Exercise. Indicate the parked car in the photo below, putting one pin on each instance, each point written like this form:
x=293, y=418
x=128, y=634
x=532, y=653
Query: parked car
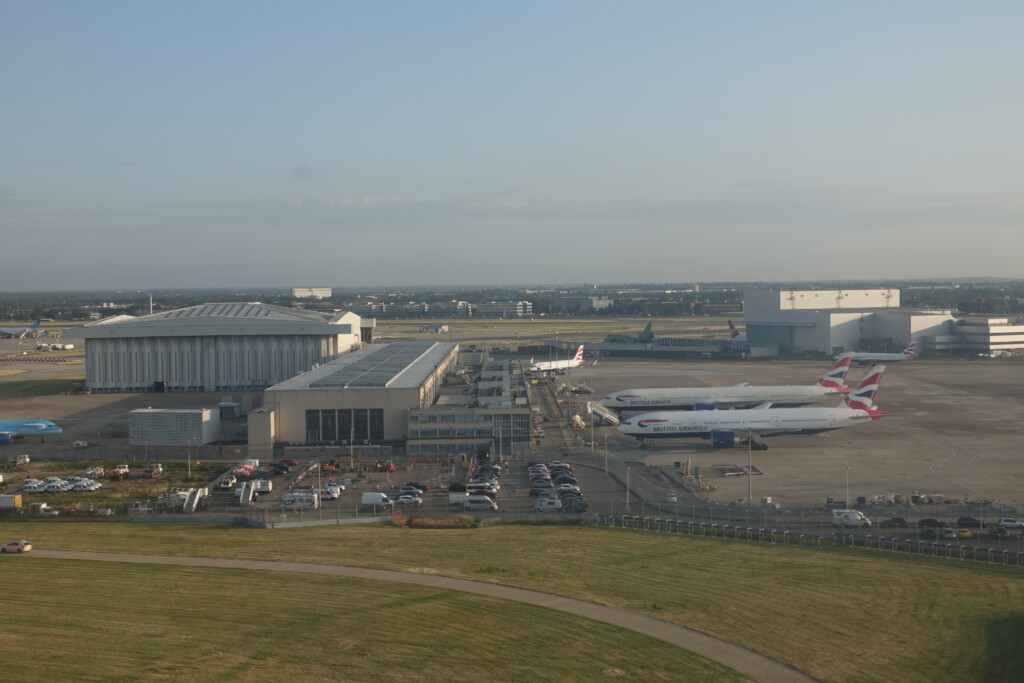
x=330, y=494
x=457, y=487
x=1010, y=523
x=16, y=547
x=949, y=533
x=416, y=485
x=996, y=531
x=930, y=522
x=409, y=490
x=409, y=499
x=894, y=523
x=290, y=462
x=969, y=522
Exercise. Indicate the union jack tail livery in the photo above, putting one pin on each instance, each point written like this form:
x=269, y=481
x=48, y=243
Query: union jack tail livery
x=863, y=395
x=835, y=376
x=736, y=334
x=911, y=350
x=579, y=353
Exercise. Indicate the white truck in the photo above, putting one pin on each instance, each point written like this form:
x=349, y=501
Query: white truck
x=300, y=500
x=850, y=518
x=375, y=499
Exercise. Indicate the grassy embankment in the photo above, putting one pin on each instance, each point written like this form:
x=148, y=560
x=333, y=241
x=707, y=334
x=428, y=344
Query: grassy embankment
x=839, y=615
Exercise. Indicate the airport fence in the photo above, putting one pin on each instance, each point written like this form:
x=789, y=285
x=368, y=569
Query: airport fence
x=811, y=539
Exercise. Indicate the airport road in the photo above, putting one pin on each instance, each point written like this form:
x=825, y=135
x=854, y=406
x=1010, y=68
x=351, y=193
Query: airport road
x=752, y=664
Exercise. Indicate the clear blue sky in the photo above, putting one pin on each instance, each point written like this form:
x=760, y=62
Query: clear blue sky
x=329, y=143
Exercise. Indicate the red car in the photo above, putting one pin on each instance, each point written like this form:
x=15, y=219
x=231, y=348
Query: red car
x=16, y=547
x=290, y=462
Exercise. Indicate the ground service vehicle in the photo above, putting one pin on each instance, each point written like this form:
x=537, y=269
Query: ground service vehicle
x=850, y=518
x=375, y=499
x=300, y=500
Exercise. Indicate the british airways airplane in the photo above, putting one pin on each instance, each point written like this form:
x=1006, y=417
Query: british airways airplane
x=11, y=429
x=830, y=384
x=725, y=427
x=545, y=366
x=864, y=357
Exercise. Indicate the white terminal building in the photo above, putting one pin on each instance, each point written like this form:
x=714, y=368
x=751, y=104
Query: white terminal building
x=834, y=321
x=214, y=347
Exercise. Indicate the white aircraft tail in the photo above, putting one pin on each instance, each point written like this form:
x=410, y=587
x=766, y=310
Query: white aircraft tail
x=733, y=332
x=579, y=353
x=835, y=376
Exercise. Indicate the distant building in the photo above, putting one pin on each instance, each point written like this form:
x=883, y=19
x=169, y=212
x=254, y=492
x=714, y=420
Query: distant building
x=311, y=293
x=503, y=309
x=173, y=427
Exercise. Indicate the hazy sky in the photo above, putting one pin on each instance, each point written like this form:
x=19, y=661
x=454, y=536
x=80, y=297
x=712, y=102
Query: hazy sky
x=330, y=143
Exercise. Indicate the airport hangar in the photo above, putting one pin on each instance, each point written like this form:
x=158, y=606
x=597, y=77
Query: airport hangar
x=423, y=394
x=214, y=347
x=833, y=321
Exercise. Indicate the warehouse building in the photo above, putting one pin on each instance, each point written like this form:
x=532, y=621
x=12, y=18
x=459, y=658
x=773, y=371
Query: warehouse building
x=214, y=347
x=361, y=398
x=173, y=427
x=834, y=321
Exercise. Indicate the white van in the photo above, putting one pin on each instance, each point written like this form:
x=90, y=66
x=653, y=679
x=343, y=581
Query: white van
x=480, y=504
x=850, y=518
x=300, y=500
x=375, y=499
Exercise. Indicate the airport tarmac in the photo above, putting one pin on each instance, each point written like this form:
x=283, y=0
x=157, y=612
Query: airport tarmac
x=952, y=428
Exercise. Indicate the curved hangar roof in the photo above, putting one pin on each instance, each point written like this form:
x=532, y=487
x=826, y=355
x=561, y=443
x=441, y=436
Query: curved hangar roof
x=224, y=319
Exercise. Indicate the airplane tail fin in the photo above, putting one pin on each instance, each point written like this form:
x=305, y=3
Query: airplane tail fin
x=835, y=376
x=911, y=350
x=36, y=324
x=862, y=396
x=579, y=353
x=733, y=332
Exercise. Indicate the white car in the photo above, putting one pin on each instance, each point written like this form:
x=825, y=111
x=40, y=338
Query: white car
x=330, y=494
x=409, y=499
x=547, y=504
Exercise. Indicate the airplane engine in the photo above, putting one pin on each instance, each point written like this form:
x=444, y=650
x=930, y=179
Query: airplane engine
x=723, y=439
x=5, y=437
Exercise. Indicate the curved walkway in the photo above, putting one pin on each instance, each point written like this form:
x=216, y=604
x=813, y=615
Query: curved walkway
x=752, y=664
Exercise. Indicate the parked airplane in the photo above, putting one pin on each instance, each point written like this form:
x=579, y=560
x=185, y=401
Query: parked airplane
x=11, y=429
x=830, y=383
x=736, y=334
x=545, y=366
x=19, y=332
x=863, y=357
x=644, y=336
x=724, y=427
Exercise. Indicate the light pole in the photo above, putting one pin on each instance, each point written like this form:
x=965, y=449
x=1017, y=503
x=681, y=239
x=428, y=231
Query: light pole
x=606, y=455
x=848, y=487
x=627, y=485
x=750, y=470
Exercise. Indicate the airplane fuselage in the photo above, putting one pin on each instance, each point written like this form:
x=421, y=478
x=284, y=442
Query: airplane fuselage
x=688, y=397
x=679, y=424
x=546, y=366
x=15, y=428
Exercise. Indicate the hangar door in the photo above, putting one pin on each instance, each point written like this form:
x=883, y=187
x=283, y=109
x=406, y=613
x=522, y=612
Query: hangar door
x=780, y=335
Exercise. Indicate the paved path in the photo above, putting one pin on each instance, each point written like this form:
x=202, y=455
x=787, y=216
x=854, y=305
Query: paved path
x=752, y=664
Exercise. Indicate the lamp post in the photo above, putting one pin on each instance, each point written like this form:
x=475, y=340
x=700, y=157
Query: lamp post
x=627, y=485
x=848, y=487
x=606, y=455
x=750, y=470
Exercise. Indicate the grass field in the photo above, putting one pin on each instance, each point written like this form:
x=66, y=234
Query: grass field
x=38, y=387
x=839, y=615
x=88, y=623
x=540, y=330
